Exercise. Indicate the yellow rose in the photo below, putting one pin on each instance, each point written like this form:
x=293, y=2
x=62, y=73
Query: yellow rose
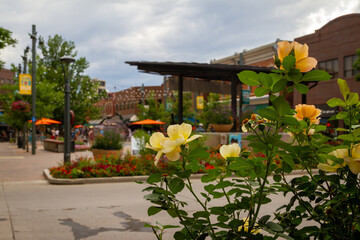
x=303, y=62
x=310, y=112
x=181, y=133
x=329, y=167
x=246, y=227
x=232, y=150
x=354, y=160
x=162, y=144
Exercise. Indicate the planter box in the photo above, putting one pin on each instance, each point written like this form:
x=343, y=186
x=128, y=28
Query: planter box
x=222, y=127
x=101, y=153
x=53, y=145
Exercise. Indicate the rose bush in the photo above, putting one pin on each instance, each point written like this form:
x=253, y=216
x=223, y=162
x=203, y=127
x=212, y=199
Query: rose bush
x=328, y=202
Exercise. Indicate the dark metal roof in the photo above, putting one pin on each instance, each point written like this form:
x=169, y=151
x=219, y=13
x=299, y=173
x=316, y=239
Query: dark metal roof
x=196, y=70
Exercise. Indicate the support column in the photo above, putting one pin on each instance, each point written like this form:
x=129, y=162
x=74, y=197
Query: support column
x=180, y=107
x=234, y=83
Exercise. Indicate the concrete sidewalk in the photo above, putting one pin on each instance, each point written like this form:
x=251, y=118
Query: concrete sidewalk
x=19, y=165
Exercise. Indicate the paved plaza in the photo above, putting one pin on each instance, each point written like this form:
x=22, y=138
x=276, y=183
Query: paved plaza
x=31, y=208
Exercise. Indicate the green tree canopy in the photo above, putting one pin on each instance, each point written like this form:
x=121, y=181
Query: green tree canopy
x=51, y=83
x=5, y=40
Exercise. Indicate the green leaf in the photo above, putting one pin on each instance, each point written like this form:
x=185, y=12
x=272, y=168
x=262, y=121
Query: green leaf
x=176, y=185
x=249, y=78
x=288, y=62
x=202, y=214
x=344, y=88
x=341, y=115
x=281, y=106
x=199, y=153
x=347, y=137
x=279, y=85
x=268, y=113
x=335, y=102
x=303, y=89
x=261, y=91
x=184, y=174
x=291, y=121
x=265, y=80
x=316, y=75
x=352, y=99
x=153, y=178
x=153, y=210
x=274, y=227
x=259, y=145
x=277, y=178
x=295, y=75
x=179, y=236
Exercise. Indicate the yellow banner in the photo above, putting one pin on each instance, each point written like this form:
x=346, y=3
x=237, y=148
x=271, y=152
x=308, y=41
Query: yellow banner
x=25, y=84
x=199, y=102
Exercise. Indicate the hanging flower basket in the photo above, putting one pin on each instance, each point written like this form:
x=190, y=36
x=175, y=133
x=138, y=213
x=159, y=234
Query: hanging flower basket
x=222, y=127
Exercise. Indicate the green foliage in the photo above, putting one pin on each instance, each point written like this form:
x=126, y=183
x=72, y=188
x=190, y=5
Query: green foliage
x=51, y=82
x=109, y=141
x=188, y=111
x=215, y=112
x=6, y=39
x=153, y=110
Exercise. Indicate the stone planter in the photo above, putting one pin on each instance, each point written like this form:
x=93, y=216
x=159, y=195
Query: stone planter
x=222, y=127
x=101, y=153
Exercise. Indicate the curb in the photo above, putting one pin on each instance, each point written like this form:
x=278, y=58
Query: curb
x=66, y=181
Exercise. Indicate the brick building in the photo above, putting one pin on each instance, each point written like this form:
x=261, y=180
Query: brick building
x=125, y=102
x=334, y=46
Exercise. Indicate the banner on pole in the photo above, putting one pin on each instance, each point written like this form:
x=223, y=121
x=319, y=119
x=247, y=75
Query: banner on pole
x=199, y=102
x=25, y=84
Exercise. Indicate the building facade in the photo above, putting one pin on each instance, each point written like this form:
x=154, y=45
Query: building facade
x=102, y=85
x=334, y=46
x=125, y=102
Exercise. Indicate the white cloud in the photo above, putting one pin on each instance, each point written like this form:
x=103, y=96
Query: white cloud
x=110, y=32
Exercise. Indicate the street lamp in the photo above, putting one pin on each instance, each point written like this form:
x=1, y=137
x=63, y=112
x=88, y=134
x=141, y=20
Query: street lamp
x=65, y=62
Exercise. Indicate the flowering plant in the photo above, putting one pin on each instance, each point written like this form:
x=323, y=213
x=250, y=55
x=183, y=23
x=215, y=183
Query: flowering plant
x=216, y=112
x=20, y=106
x=108, y=141
x=328, y=202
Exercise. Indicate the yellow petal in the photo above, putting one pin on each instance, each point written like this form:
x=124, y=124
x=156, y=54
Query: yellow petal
x=306, y=64
x=340, y=153
x=356, y=151
x=153, y=148
x=185, y=130
x=157, y=157
x=354, y=165
x=172, y=131
x=232, y=150
x=284, y=48
x=174, y=155
x=156, y=140
x=301, y=51
x=326, y=167
x=169, y=145
x=192, y=138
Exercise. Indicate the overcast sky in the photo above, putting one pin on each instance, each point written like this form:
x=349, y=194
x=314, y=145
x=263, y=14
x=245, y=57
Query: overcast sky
x=110, y=32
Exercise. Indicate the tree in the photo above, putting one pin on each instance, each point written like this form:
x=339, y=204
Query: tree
x=50, y=82
x=153, y=110
x=188, y=112
x=357, y=65
x=5, y=40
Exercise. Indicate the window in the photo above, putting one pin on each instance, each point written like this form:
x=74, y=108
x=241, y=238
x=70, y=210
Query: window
x=121, y=107
x=117, y=107
x=330, y=66
x=349, y=66
x=132, y=105
x=128, y=106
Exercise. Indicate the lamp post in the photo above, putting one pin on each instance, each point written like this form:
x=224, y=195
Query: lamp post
x=65, y=62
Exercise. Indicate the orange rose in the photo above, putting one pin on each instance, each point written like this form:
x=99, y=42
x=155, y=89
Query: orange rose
x=303, y=62
x=310, y=112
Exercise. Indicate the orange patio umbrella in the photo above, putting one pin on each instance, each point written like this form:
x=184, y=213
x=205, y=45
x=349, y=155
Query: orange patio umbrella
x=78, y=126
x=42, y=122
x=51, y=121
x=147, y=121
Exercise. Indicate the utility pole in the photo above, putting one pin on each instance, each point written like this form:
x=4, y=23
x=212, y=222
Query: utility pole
x=25, y=134
x=33, y=91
